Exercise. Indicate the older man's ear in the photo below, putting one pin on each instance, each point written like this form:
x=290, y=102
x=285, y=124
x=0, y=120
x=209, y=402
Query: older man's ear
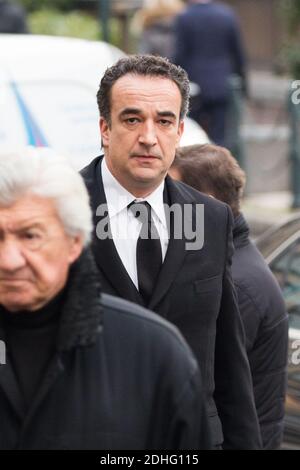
x=75, y=248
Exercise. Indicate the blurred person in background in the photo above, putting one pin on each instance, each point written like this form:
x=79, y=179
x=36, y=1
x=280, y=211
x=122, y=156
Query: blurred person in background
x=208, y=46
x=213, y=170
x=83, y=370
x=156, y=25
x=12, y=18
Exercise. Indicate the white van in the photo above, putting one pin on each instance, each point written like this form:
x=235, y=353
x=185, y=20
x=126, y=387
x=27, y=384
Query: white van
x=48, y=89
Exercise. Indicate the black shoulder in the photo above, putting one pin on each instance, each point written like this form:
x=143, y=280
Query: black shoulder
x=137, y=313
x=89, y=170
x=190, y=194
x=145, y=326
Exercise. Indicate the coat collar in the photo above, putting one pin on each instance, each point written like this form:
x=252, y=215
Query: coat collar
x=240, y=232
x=81, y=316
x=81, y=319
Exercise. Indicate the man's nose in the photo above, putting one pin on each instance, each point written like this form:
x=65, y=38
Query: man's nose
x=148, y=135
x=11, y=256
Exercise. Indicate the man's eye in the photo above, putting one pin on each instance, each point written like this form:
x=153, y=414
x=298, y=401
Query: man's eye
x=30, y=236
x=31, y=240
x=132, y=120
x=165, y=122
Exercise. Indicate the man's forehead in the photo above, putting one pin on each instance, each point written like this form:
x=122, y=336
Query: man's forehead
x=18, y=220
x=132, y=86
x=27, y=210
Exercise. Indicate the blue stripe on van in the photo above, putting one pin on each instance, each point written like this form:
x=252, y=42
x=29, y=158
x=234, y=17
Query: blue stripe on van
x=35, y=136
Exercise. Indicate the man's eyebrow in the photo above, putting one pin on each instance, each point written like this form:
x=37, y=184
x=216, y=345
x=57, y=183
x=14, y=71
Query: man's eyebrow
x=26, y=225
x=169, y=114
x=29, y=225
x=127, y=111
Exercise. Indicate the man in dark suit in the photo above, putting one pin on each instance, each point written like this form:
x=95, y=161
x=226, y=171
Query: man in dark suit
x=209, y=48
x=142, y=102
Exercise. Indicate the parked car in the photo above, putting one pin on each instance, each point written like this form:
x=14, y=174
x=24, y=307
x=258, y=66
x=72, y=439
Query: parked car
x=280, y=245
x=48, y=91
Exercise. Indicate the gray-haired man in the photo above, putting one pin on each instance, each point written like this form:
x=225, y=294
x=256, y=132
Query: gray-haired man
x=82, y=370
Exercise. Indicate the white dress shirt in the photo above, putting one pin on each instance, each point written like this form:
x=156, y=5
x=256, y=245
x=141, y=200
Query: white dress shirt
x=125, y=227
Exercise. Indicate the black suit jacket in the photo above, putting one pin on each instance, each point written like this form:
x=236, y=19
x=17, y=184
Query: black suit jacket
x=194, y=291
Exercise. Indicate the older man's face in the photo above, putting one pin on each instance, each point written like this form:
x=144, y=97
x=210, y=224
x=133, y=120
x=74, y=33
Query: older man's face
x=35, y=253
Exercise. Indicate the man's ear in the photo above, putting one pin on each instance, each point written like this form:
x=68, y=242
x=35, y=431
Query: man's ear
x=105, y=131
x=175, y=173
x=75, y=248
x=179, y=133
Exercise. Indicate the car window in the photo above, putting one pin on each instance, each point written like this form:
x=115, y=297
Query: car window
x=286, y=269
x=269, y=241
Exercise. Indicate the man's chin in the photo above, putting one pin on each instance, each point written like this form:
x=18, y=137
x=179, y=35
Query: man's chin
x=15, y=305
x=148, y=176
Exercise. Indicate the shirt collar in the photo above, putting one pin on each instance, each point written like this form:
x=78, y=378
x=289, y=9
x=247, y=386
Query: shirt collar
x=118, y=198
x=156, y=202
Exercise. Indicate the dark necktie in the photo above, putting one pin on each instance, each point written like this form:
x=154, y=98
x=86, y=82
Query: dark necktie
x=148, y=250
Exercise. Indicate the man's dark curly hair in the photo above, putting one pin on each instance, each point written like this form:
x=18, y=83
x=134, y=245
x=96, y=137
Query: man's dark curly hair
x=145, y=65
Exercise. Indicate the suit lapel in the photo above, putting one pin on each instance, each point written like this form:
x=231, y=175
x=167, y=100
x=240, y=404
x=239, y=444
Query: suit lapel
x=105, y=252
x=176, y=251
